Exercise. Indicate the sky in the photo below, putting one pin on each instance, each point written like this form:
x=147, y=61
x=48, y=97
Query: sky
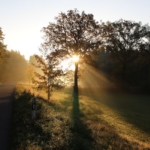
x=22, y=20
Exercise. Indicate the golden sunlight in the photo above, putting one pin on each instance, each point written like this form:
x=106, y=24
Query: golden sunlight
x=75, y=58
x=67, y=64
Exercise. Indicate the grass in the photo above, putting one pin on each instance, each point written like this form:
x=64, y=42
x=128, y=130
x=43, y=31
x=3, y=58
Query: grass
x=96, y=119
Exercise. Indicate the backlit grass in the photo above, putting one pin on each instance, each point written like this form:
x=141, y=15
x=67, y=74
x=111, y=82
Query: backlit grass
x=92, y=120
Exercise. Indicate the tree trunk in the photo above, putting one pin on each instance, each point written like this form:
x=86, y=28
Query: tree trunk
x=48, y=93
x=76, y=78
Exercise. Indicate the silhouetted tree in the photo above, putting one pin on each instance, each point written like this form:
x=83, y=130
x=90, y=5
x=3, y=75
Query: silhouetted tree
x=142, y=68
x=125, y=40
x=73, y=34
x=51, y=75
x=105, y=62
x=3, y=51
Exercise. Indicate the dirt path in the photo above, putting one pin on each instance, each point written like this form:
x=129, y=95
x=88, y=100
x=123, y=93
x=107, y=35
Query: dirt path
x=5, y=114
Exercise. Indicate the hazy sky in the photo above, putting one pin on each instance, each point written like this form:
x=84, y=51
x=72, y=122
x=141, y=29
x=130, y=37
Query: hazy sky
x=22, y=20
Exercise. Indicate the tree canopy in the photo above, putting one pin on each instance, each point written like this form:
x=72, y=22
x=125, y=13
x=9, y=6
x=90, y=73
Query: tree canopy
x=51, y=75
x=73, y=34
x=124, y=40
x=3, y=50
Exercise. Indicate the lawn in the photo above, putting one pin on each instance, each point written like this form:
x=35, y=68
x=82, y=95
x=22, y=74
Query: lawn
x=96, y=119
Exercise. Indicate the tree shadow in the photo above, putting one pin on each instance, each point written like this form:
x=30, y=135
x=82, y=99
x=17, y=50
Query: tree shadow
x=134, y=109
x=75, y=109
x=75, y=134
x=81, y=134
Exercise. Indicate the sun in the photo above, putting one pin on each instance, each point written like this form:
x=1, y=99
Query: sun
x=68, y=64
x=75, y=58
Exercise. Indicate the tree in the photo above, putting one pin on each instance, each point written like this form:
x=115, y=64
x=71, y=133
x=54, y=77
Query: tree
x=15, y=70
x=29, y=73
x=125, y=40
x=33, y=62
x=73, y=35
x=3, y=51
x=32, y=59
x=51, y=75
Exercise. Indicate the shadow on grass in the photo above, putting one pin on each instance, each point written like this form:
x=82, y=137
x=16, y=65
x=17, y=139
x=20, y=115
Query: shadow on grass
x=81, y=134
x=134, y=109
x=58, y=132
x=95, y=134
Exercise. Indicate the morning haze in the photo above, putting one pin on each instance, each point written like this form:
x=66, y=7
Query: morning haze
x=74, y=75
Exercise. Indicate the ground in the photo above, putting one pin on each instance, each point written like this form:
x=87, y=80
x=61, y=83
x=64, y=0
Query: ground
x=5, y=113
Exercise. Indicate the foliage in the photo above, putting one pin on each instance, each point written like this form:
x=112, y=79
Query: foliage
x=124, y=40
x=32, y=67
x=34, y=63
x=3, y=51
x=51, y=75
x=32, y=60
x=125, y=52
x=29, y=73
x=12, y=63
x=73, y=34
x=15, y=70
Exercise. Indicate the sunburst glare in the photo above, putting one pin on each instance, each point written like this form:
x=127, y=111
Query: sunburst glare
x=75, y=58
x=67, y=64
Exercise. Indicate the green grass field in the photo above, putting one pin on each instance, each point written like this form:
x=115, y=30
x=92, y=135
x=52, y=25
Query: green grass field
x=96, y=119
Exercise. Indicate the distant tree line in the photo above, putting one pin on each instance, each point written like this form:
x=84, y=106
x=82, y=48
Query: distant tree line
x=3, y=50
x=14, y=69
x=12, y=63
x=125, y=54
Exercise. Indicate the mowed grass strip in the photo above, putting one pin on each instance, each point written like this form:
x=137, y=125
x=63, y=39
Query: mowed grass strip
x=89, y=121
